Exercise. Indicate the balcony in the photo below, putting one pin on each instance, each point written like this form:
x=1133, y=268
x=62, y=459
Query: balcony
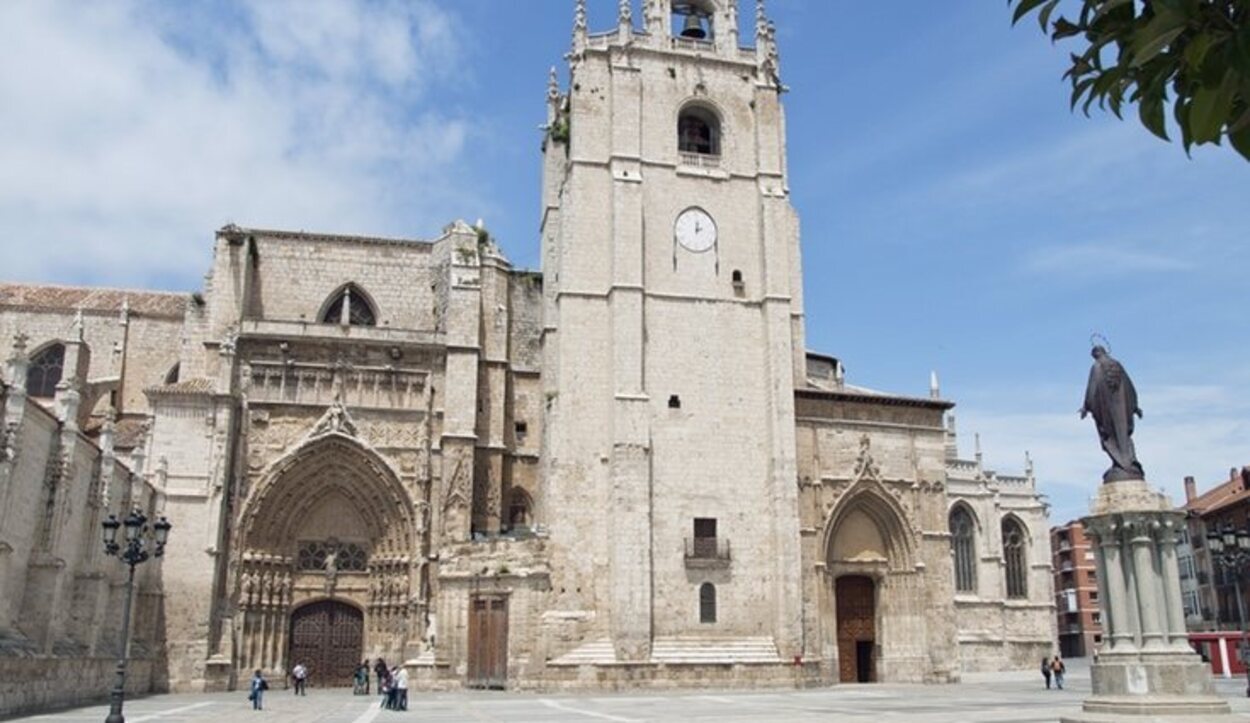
x=700, y=160
x=707, y=552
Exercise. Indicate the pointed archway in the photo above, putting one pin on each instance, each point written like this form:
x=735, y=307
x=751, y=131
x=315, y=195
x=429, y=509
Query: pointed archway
x=330, y=522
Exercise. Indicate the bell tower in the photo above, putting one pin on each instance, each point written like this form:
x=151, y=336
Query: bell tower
x=673, y=334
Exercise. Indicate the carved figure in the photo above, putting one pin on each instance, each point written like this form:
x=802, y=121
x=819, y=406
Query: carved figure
x=1112, y=399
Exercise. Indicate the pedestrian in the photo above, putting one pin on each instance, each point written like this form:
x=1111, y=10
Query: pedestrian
x=259, y=686
x=360, y=679
x=380, y=668
x=401, y=685
x=1046, y=671
x=1057, y=669
x=300, y=674
x=392, y=691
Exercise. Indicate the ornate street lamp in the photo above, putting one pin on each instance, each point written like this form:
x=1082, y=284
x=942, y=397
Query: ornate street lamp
x=140, y=541
x=1230, y=548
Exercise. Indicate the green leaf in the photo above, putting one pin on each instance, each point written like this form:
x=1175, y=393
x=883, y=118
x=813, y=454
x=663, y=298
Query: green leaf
x=1240, y=141
x=1210, y=109
x=1043, y=16
x=1150, y=110
x=1149, y=45
x=1024, y=8
x=1063, y=28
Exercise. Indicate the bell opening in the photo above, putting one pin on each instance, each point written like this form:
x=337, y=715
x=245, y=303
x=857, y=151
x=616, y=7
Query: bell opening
x=692, y=20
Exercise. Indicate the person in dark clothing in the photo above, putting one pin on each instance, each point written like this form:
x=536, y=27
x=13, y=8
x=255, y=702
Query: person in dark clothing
x=1046, y=671
x=381, y=670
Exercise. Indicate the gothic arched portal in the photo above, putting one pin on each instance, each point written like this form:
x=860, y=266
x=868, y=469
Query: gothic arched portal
x=331, y=524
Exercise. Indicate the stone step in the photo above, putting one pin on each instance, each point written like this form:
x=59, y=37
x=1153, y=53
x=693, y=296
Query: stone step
x=681, y=650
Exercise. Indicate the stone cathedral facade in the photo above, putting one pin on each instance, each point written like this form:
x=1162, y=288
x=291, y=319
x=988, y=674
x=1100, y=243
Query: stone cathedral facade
x=624, y=470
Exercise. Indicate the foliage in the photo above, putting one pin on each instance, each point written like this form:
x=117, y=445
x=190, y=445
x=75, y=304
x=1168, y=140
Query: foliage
x=560, y=131
x=1192, y=54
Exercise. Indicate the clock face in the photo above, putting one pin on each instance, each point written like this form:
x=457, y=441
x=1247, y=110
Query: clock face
x=695, y=230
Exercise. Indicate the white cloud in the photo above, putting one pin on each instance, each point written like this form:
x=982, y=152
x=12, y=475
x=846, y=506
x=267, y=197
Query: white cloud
x=1101, y=259
x=132, y=131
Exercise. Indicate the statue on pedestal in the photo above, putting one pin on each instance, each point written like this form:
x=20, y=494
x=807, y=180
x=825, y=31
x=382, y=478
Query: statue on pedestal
x=1112, y=399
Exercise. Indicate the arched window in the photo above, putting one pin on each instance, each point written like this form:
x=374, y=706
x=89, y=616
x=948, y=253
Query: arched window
x=45, y=370
x=707, y=603
x=520, y=515
x=1015, y=543
x=698, y=131
x=963, y=549
x=349, y=306
x=174, y=373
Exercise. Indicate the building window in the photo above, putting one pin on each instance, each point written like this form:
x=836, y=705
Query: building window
x=520, y=510
x=45, y=371
x=707, y=603
x=171, y=376
x=350, y=307
x=1014, y=558
x=332, y=555
x=698, y=131
x=963, y=547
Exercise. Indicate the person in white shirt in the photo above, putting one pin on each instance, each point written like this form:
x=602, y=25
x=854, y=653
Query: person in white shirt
x=401, y=683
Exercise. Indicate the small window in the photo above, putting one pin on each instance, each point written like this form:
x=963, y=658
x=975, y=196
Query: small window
x=45, y=371
x=704, y=528
x=707, y=603
x=674, y=402
x=520, y=514
x=349, y=306
x=171, y=377
x=520, y=429
x=698, y=131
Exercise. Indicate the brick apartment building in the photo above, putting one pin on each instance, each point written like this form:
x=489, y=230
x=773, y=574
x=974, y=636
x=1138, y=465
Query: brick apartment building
x=1076, y=591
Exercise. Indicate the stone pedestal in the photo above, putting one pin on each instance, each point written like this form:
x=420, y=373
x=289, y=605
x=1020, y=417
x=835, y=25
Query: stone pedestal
x=1145, y=669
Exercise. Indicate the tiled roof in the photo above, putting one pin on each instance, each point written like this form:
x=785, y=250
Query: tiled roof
x=1228, y=492
x=50, y=296
x=196, y=385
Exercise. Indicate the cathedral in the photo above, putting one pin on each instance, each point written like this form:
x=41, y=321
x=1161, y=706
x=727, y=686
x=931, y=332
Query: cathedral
x=624, y=470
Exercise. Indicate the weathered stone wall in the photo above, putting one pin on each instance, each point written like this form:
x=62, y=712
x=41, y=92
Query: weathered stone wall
x=42, y=684
x=61, y=597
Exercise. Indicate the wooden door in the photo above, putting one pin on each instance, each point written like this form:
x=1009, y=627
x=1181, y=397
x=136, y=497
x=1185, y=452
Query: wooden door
x=327, y=637
x=857, y=633
x=488, y=642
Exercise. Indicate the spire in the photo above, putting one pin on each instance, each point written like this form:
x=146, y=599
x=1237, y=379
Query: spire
x=761, y=22
x=977, y=440
x=1028, y=465
x=625, y=13
x=553, y=85
x=653, y=18
x=935, y=392
x=76, y=331
x=579, y=25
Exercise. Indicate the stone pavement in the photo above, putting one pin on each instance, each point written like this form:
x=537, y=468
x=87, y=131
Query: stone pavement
x=985, y=697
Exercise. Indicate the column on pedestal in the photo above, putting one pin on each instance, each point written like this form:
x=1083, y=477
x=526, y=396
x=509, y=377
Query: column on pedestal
x=1178, y=636
x=1146, y=578
x=1120, y=627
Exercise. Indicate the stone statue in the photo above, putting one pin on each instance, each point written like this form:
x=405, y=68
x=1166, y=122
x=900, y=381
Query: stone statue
x=332, y=570
x=1111, y=398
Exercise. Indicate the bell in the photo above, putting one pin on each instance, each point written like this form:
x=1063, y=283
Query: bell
x=693, y=28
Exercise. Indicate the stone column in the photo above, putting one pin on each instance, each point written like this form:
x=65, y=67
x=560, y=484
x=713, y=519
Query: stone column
x=1178, y=637
x=1147, y=584
x=1112, y=571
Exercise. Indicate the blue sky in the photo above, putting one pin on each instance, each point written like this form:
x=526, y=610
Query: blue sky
x=955, y=215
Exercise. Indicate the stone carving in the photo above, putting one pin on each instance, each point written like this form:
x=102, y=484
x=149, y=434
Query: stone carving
x=336, y=420
x=865, y=466
x=1112, y=399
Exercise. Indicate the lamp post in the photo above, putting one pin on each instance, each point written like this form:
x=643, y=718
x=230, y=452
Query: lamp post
x=1230, y=548
x=140, y=542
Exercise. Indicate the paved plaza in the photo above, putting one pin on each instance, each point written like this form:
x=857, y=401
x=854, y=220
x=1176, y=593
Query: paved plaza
x=1012, y=696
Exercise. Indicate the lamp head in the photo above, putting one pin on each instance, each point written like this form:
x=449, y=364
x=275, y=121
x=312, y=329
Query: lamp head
x=134, y=525
x=1215, y=541
x=110, y=527
x=160, y=531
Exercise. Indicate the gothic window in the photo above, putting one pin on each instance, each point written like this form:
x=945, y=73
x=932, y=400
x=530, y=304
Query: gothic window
x=171, y=377
x=348, y=556
x=349, y=306
x=520, y=515
x=698, y=131
x=707, y=603
x=963, y=548
x=1014, y=550
x=45, y=370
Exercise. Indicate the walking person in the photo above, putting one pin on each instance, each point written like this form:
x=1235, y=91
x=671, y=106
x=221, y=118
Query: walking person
x=360, y=679
x=392, y=689
x=259, y=686
x=401, y=686
x=300, y=674
x=1046, y=671
x=1057, y=669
